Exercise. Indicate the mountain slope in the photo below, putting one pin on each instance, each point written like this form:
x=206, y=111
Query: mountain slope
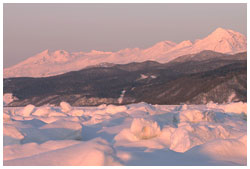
x=49, y=63
x=194, y=81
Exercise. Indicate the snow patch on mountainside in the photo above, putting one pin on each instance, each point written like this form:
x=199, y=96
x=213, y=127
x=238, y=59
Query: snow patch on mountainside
x=120, y=99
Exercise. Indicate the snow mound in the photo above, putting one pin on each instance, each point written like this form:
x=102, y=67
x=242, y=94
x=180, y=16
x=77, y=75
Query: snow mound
x=196, y=116
x=112, y=109
x=144, y=129
x=65, y=107
x=6, y=117
x=11, y=135
x=223, y=150
x=143, y=107
x=96, y=152
x=29, y=149
x=238, y=107
x=102, y=106
x=243, y=139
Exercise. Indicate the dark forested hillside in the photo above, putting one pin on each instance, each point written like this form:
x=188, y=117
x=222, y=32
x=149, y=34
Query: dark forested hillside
x=192, y=79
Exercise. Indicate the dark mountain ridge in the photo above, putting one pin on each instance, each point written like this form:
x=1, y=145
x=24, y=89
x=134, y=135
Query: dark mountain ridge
x=192, y=79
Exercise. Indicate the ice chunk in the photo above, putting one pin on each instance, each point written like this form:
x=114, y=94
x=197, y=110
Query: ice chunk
x=42, y=111
x=180, y=140
x=65, y=107
x=193, y=115
x=76, y=113
x=55, y=118
x=188, y=135
x=52, y=114
x=17, y=118
x=144, y=129
x=166, y=134
x=184, y=107
x=221, y=132
x=49, y=119
x=27, y=110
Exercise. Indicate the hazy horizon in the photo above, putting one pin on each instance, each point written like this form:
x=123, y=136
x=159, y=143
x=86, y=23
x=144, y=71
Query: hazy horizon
x=32, y=28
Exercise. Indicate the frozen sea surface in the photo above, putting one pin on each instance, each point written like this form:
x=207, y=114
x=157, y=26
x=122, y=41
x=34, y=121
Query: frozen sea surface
x=135, y=134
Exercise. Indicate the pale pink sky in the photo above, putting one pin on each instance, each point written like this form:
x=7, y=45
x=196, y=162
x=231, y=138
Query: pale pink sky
x=32, y=28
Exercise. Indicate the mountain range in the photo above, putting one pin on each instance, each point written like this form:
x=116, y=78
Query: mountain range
x=207, y=76
x=48, y=63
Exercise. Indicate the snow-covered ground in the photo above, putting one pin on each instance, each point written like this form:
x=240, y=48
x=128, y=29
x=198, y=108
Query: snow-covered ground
x=136, y=134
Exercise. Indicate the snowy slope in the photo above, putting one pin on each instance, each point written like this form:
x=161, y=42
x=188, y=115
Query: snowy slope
x=49, y=63
x=135, y=134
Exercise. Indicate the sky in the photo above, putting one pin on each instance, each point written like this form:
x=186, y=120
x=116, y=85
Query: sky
x=29, y=29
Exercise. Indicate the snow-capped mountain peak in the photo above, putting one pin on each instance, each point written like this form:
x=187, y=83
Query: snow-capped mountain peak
x=163, y=45
x=49, y=63
x=60, y=53
x=183, y=44
x=36, y=59
x=224, y=41
x=60, y=56
x=220, y=32
x=97, y=52
x=223, y=34
x=159, y=48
